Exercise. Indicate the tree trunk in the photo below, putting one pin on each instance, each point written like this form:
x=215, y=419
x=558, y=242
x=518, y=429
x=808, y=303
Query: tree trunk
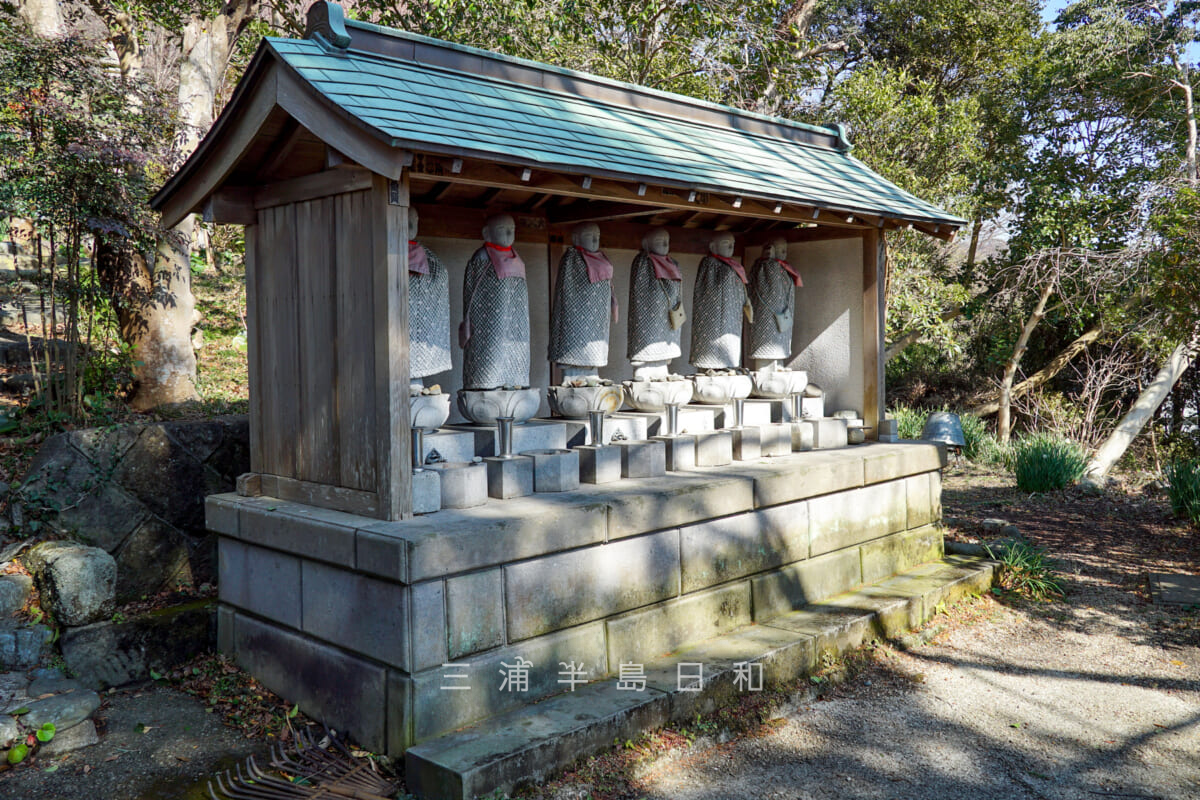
x=1004, y=423
x=1143, y=410
x=43, y=17
x=1043, y=375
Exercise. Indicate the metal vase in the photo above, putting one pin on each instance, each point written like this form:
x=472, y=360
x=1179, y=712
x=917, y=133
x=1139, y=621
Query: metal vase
x=672, y=419
x=505, y=425
x=596, y=425
x=739, y=410
x=418, y=449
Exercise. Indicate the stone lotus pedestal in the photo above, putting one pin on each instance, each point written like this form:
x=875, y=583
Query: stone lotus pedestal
x=720, y=389
x=778, y=384
x=485, y=406
x=574, y=402
x=653, y=396
x=428, y=411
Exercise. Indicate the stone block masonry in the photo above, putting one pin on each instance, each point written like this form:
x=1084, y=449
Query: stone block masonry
x=427, y=617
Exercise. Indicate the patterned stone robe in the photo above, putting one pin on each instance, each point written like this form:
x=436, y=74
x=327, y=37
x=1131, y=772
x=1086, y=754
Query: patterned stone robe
x=429, y=318
x=497, y=354
x=717, y=316
x=650, y=297
x=579, y=318
x=773, y=294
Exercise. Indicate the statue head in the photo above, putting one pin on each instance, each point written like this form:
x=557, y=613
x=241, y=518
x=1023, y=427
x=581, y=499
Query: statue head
x=776, y=248
x=657, y=241
x=413, y=220
x=722, y=244
x=500, y=229
x=587, y=236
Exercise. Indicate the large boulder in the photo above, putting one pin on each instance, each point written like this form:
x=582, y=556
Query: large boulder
x=78, y=583
x=14, y=591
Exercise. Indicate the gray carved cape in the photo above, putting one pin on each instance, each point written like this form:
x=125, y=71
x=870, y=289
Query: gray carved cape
x=774, y=297
x=579, y=320
x=429, y=319
x=717, y=316
x=497, y=354
x=650, y=297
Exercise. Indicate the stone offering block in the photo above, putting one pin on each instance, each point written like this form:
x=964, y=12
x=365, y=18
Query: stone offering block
x=554, y=470
x=747, y=444
x=599, y=464
x=646, y=459
x=464, y=485
x=802, y=435
x=427, y=491
x=758, y=412
x=535, y=434
x=510, y=476
x=714, y=448
x=776, y=439
x=451, y=445
x=680, y=451
x=828, y=433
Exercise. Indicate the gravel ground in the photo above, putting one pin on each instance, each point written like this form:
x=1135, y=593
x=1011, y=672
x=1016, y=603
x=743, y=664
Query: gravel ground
x=1018, y=705
x=1096, y=695
x=156, y=744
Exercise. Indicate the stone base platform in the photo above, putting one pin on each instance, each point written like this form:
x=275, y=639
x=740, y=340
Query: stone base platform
x=356, y=619
x=531, y=744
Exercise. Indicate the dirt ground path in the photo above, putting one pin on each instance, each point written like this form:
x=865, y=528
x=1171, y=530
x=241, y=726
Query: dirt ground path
x=1094, y=696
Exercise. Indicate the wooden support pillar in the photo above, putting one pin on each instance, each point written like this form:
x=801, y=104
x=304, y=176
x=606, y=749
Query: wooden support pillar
x=873, y=255
x=390, y=201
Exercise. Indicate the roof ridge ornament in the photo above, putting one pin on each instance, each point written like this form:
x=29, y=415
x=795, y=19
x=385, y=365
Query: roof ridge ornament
x=843, y=138
x=328, y=21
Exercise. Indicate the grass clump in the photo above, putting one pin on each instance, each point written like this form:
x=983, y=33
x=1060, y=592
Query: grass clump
x=909, y=421
x=1043, y=462
x=1183, y=488
x=1027, y=570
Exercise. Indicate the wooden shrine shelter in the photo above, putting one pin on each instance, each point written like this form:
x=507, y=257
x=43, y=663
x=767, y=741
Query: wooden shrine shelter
x=327, y=141
x=338, y=597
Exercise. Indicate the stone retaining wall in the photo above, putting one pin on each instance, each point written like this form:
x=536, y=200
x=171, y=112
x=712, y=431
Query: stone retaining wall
x=355, y=618
x=137, y=491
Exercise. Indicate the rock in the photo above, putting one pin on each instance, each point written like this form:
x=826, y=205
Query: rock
x=154, y=557
x=75, y=738
x=23, y=646
x=112, y=654
x=94, y=509
x=993, y=525
x=8, y=730
x=56, y=685
x=14, y=591
x=1011, y=532
x=167, y=479
x=4, y=490
x=78, y=583
x=951, y=522
x=64, y=710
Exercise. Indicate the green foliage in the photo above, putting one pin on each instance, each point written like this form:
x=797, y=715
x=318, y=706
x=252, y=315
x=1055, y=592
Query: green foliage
x=17, y=753
x=46, y=732
x=1028, y=571
x=909, y=421
x=1183, y=488
x=1043, y=462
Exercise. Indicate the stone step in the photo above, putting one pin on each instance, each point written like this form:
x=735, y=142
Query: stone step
x=534, y=742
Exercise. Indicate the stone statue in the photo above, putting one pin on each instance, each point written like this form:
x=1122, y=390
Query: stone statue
x=773, y=293
x=718, y=303
x=428, y=308
x=428, y=331
x=583, y=305
x=656, y=313
x=495, y=330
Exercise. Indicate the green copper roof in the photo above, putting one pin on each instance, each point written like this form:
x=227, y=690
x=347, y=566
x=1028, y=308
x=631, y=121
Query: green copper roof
x=423, y=107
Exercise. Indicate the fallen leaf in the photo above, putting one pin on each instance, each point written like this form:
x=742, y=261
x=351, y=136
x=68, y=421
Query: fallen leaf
x=113, y=757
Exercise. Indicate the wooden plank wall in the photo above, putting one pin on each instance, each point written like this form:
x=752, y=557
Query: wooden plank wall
x=313, y=347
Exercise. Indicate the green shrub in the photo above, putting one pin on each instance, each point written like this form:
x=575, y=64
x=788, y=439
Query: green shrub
x=1183, y=488
x=1043, y=462
x=909, y=421
x=1028, y=571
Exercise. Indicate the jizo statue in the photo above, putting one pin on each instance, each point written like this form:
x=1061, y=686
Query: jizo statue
x=656, y=314
x=428, y=308
x=773, y=292
x=718, y=304
x=494, y=333
x=584, y=305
